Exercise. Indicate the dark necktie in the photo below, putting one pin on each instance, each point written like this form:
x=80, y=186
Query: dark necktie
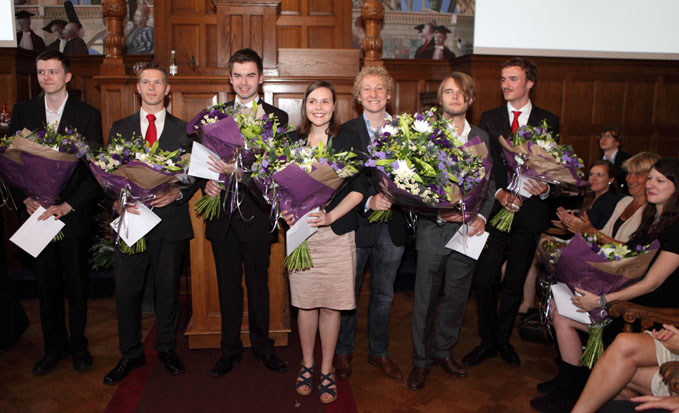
x=515, y=122
x=151, y=132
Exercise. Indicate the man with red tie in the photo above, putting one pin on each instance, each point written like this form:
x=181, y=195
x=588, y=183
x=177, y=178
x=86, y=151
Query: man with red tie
x=165, y=244
x=519, y=77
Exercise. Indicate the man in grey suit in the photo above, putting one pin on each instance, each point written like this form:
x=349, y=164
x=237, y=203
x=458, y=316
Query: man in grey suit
x=442, y=272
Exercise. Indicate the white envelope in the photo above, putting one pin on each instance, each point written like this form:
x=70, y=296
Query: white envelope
x=198, y=166
x=469, y=246
x=298, y=233
x=562, y=297
x=136, y=226
x=522, y=190
x=33, y=236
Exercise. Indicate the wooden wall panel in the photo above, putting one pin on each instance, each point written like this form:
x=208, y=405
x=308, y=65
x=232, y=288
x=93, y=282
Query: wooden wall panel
x=609, y=102
x=639, y=102
x=669, y=100
x=579, y=101
x=289, y=37
x=321, y=37
x=181, y=6
x=211, y=41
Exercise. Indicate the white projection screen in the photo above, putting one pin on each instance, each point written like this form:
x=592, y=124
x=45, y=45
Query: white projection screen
x=7, y=29
x=578, y=28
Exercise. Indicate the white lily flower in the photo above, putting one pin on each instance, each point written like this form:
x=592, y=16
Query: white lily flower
x=422, y=126
x=390, y=129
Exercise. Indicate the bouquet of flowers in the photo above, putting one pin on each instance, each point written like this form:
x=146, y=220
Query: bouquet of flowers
x=297, y=178
x=233, y=136
x=601, y=269
x=132, y=171
x=41, y=162
x=420, y=163
x=533, y=152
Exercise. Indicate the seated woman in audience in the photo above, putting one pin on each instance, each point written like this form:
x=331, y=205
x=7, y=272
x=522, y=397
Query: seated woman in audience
x=658, y=288
x=599, y=202
x=321, y=292
x=629, y=368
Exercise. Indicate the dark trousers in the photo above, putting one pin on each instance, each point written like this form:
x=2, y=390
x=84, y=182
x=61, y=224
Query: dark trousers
x=162, y=261
x=442, y=281
x=495, y=325
x=62, y=271
x=232, y=255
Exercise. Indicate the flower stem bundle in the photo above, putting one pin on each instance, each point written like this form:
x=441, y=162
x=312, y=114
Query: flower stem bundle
x=380, y=216
x=299, y=259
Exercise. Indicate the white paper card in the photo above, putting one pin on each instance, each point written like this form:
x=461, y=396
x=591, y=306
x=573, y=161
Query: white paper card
x=136, y=226
x=33, y=236
x=522, y=190
x=469, y=246
x=198, y=165
x=562, y=297
x=298, y=233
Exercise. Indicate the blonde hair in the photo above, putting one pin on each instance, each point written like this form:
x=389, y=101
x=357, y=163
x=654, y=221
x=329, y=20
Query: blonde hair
x=641, y=162
x=464, y=82
x=379, y=71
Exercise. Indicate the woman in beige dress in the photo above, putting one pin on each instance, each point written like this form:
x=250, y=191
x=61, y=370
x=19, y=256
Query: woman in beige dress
x=321, y=292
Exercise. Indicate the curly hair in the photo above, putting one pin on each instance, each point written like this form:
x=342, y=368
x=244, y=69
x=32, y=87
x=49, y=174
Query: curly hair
x=379, y=71
x=528, y=67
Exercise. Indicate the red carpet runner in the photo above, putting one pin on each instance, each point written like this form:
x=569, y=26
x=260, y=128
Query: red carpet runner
x=250, y=387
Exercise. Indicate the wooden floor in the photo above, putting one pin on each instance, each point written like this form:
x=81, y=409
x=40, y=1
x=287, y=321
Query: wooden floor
x=493, y=386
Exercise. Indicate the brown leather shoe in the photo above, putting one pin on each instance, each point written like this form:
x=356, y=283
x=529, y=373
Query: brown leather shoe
x=417, y=378
x=451, y=367
x=343, y=366
x=387, y=366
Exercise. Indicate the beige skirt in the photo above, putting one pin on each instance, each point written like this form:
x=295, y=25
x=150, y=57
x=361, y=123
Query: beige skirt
x=330, y=282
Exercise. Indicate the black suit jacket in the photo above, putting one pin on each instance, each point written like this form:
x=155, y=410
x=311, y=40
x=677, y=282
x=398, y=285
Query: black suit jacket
x=82, y=191
x=76, y=46
x=254, y=208
x=366, y=233
x=38, y=43
x=534, y=214
x=175, y=221
x=54, y=45
x=348, y=222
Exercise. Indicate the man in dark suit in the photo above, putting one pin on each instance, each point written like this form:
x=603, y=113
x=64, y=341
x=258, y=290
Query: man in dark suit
x=75, y=44
x=57, y=26
x=165, y=244
x=26, y=37
x=519, y=76
x=242, y=238
x=442, y=272
x=427, y=37
x=62, y=267
x=610, y=143
x=383, y=243
x=439, y=51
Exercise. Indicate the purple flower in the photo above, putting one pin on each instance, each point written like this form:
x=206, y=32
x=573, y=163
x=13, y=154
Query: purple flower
x=265, y=163
x=370, y=163
x=394, y=165
x=380, y=168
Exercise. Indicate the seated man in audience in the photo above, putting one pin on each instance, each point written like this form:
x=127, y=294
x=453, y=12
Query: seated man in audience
x=610, y=143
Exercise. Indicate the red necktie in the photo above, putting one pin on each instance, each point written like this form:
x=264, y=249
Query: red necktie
x=151, y=133
x=515, y=122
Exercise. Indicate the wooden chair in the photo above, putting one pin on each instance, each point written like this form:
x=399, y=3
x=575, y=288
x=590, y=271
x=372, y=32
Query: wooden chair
x=648, y=316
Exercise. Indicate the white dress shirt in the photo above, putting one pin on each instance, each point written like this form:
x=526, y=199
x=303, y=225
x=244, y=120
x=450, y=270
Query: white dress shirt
x=523, y=117
x=54, y=118
x=160, y=122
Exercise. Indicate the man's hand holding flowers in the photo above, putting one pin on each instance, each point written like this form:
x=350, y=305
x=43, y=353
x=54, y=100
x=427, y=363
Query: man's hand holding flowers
x=166, y=198
x=536, y=187
x=509, y=200
x=379, y=202
x=476, y=226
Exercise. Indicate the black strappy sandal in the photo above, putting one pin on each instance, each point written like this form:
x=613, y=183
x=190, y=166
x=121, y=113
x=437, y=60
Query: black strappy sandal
x=326, y=388
x=304, y=381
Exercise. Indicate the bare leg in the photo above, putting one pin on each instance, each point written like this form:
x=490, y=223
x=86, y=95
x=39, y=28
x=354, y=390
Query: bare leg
x=307, y=322
x=616, y=368
x=568, y=338
x=328, y=327
x=528, y=300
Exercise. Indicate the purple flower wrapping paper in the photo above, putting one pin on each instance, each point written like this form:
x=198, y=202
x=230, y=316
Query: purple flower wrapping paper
x=38, y=171
x=143, y=181
x=579, y=266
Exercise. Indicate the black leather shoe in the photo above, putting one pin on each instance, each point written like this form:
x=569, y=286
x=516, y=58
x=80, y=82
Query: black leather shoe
x=272, y=362
x=48, y=363
x=477, y=356
x=509, y=354
x=549, y=386
x=225, y=365
x=417, y=378
x=171, y=361
x=82, y=360
x=123, y=368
